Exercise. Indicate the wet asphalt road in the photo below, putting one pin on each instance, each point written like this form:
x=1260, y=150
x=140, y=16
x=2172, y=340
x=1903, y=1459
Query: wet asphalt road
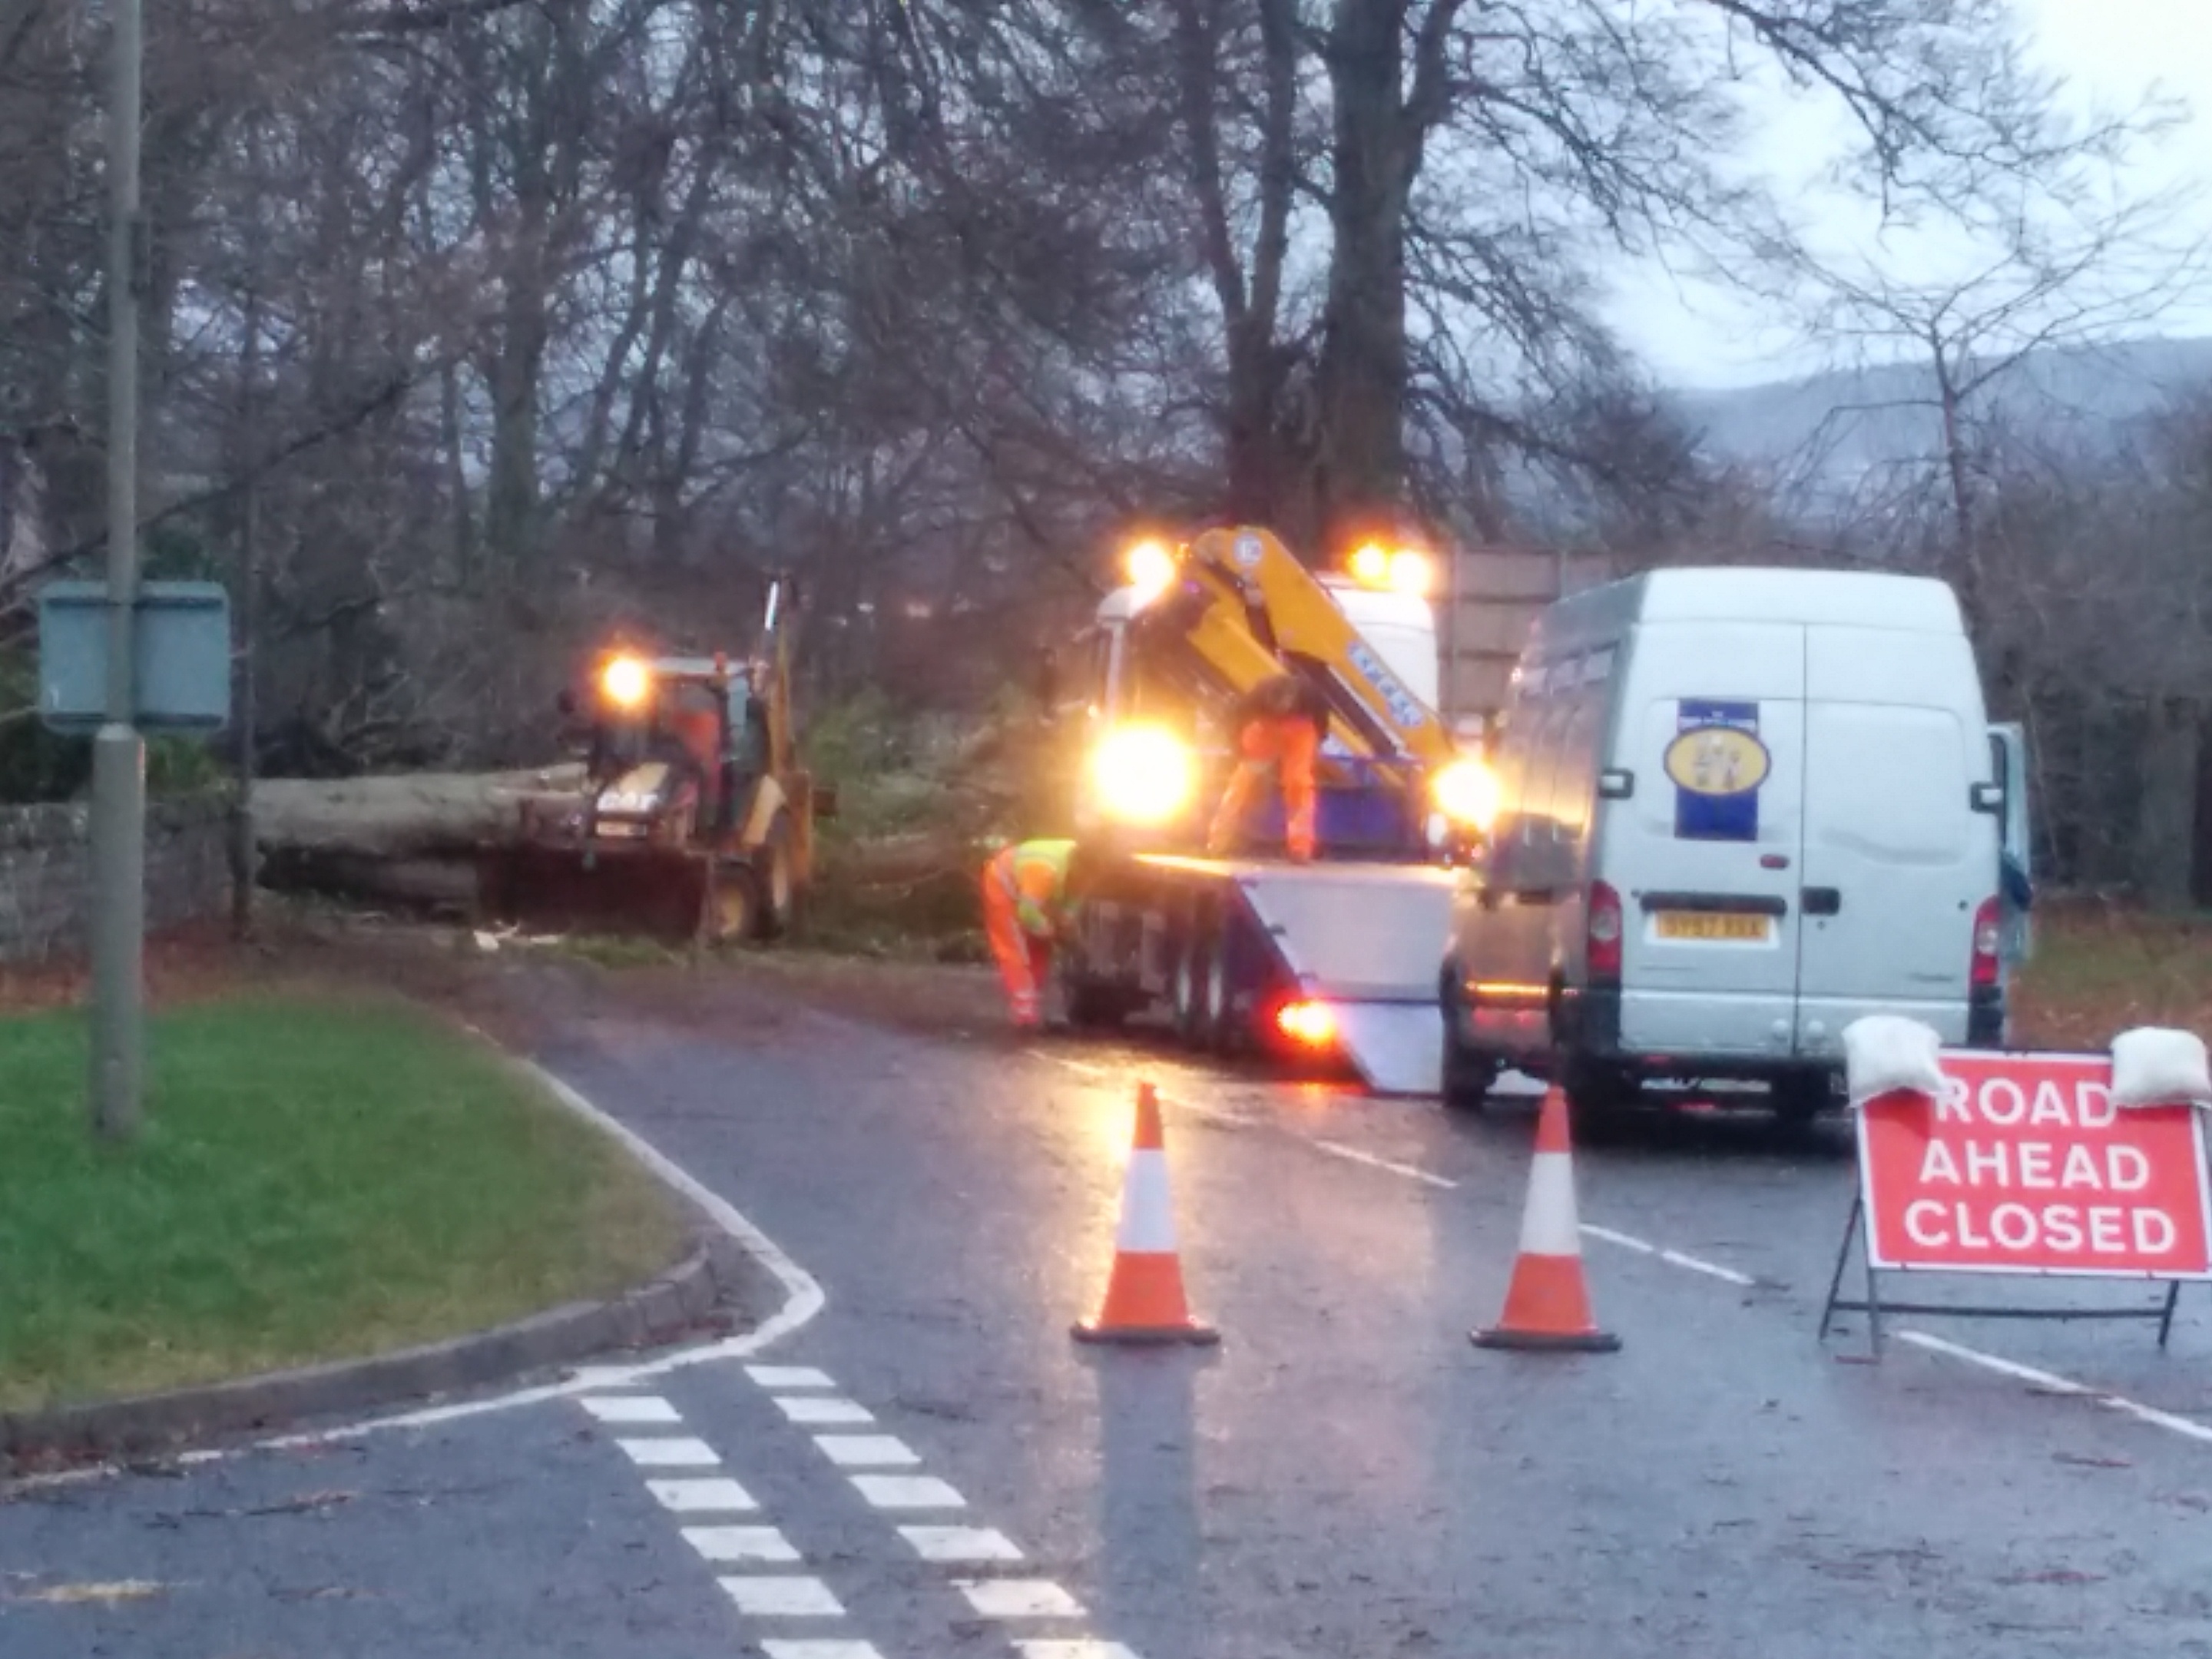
x=1346, y=1476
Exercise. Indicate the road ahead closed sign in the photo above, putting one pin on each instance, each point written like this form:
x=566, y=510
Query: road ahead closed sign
x=2025, y=1166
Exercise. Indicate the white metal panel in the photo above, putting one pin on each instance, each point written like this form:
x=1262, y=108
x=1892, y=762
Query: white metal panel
x=1398, y=1047
x=1355, y=933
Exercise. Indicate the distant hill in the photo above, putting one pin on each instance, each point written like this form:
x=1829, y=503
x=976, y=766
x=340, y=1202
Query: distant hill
x=1856, y=421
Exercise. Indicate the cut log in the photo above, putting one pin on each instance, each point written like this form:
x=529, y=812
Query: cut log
x=426, y=814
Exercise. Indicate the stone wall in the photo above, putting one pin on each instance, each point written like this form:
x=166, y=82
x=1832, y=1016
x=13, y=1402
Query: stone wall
x=45, y=898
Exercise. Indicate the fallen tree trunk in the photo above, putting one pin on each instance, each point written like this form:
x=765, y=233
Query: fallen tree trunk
x=445, y=886
x=414, y=815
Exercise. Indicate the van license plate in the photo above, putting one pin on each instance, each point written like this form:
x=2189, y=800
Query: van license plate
x=1714, y=924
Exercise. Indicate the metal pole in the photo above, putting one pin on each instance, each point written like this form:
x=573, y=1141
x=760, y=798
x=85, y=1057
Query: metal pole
x=243, y=850
x=118, y=755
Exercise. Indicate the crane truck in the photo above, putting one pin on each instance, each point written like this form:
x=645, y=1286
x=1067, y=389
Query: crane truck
x=1338, y=956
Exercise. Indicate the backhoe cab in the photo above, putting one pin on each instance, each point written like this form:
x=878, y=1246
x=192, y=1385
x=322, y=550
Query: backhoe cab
x=694, y=819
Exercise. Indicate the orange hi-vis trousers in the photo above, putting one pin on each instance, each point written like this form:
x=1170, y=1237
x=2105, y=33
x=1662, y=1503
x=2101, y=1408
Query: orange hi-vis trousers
x=1018, y=892
x=1290, y=746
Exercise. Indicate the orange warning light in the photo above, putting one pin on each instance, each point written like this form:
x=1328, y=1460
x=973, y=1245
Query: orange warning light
x=1310, y=1024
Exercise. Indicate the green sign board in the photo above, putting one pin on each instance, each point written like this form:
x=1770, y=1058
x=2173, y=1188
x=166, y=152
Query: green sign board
x=182, y=638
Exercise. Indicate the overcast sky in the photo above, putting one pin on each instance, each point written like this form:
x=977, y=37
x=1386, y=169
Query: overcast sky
x=2112, y=51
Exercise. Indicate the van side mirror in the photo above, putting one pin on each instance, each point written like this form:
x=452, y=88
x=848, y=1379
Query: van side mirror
x=1988, y=797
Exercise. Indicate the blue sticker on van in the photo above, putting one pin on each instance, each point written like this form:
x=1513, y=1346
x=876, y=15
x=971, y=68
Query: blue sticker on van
x=1717, y=763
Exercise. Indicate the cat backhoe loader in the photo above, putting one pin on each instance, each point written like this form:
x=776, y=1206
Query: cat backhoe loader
x=696, y=820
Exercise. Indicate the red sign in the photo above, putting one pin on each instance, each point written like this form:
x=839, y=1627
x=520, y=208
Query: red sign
x=2025, y=1166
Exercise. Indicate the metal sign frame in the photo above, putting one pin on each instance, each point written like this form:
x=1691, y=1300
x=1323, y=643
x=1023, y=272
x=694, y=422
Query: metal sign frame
x=182, y=643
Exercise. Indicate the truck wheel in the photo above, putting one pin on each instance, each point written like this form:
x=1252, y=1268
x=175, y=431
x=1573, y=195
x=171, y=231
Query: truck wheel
x=777, y=882
x=1187, y=1000
x=1469, y=1074
x=1599, y=1096
x=1218, y=1004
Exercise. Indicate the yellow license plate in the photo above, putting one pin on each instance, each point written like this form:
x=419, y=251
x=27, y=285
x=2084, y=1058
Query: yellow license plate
x=1710, y=925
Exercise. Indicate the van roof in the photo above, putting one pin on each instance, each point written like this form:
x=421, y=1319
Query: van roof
x=1755, y=594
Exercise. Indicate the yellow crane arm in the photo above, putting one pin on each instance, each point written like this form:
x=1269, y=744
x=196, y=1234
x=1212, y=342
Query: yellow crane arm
x=1265, y=612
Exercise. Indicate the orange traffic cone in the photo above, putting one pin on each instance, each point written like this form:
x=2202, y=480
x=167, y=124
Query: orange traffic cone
x=1144, y=1294
x=1547, y=1305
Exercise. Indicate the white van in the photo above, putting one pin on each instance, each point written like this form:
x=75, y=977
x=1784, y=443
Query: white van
x=1741, y=808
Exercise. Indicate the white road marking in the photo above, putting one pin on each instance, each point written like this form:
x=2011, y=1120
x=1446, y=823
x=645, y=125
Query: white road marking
x=1673, y=1258
x=960, y=1544
x=1627, y=1242
x=867, y=1451
x=907, y=1491
x=1083, y=1648
x=788, y=1376
x=1080, y=1068
x=677, y=1452
x=1712, y=1269
x=2188, y=1428
x=630, y=1408
x=740, y=1543
x=1018, y=1598
x=1338, y=1149
x=707, y=1497
x=797, y=1597
x=815, y=1408
x=820, y=1650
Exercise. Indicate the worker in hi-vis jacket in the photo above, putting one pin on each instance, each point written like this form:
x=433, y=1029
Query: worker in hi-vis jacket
x=1280, y=724
x=1025, y=913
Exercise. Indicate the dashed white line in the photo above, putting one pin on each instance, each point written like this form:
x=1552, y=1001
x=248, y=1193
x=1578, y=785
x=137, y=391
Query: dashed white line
x=815, y=1408
x=727, y=1544
x=630, y=1408
x=1018, y=1598
x=1338, y=1149
x=788, y=1376
x=1710, y=1269
x=2188, y=1428
x=1672, y=1258
x=960, y=1544
x=907, y=1491
x=796, y=1597
x=1080, y=1068
x=1083, y=1648
x=867, y=1451
x=706, y=1496
x=779, y=1650
x=1627, y=1240
x=676, y=1452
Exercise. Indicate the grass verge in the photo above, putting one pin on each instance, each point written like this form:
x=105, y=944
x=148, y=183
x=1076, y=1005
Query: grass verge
x=316, y=1179
x=2099, y=969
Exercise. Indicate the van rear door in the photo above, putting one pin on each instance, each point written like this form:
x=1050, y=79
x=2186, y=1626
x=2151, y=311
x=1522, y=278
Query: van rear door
x=1703, y=853
x=1897, y=862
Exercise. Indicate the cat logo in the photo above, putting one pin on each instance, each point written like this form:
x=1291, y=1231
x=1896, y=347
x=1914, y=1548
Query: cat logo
x=1248, y=550
x=1717, y=761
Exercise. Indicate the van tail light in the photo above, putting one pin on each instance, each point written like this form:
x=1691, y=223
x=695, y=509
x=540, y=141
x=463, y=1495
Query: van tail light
x=1988, y=937
x=1603, y=936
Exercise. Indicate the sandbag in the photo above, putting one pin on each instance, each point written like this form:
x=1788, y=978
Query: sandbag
x=2153, y=1066
x=1887, y=1053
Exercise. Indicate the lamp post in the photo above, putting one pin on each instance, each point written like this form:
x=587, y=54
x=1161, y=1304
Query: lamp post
x=119, y=753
